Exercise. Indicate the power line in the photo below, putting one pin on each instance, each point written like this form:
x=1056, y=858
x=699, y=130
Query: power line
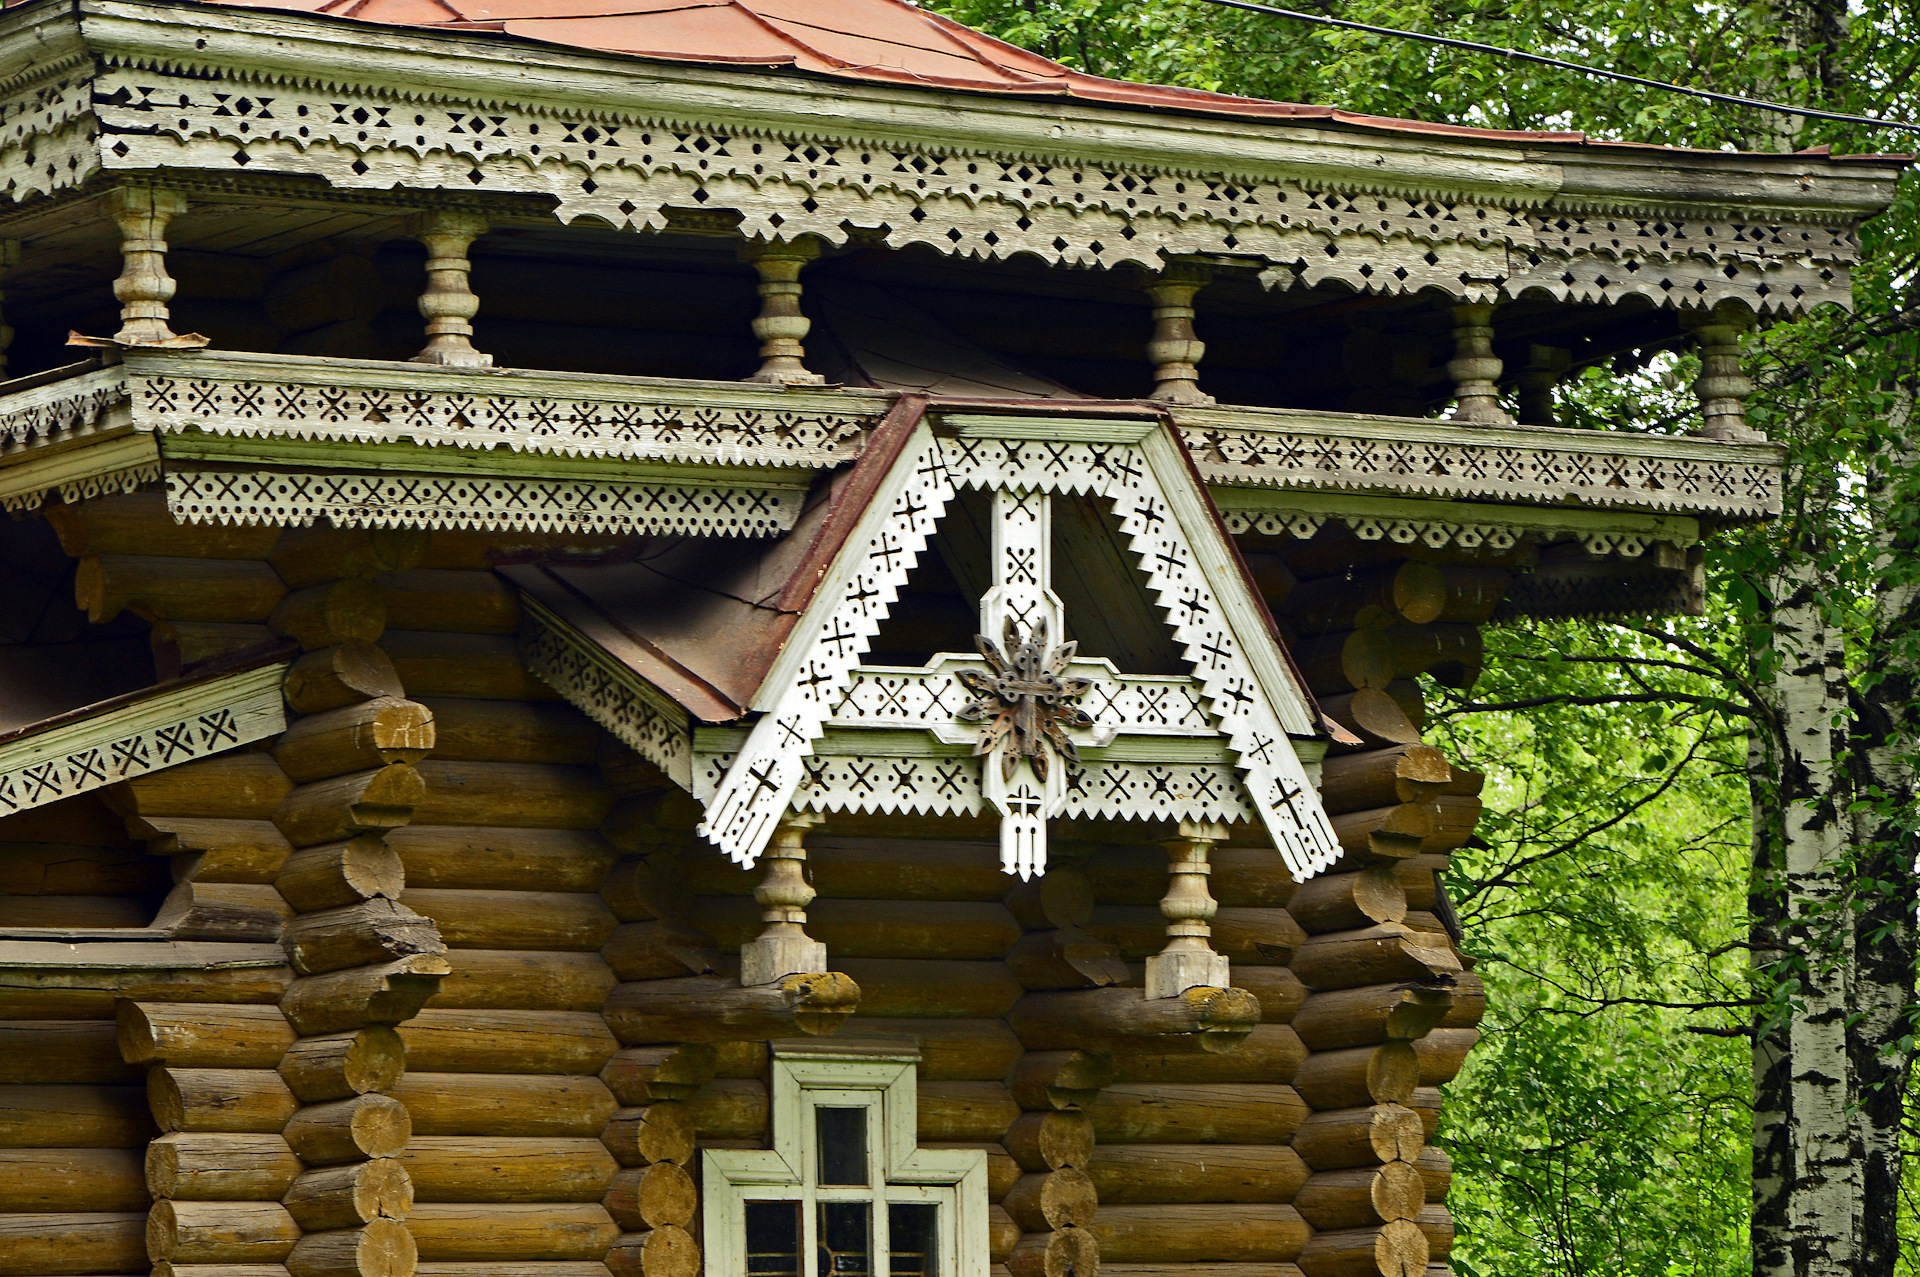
x=1476, y=47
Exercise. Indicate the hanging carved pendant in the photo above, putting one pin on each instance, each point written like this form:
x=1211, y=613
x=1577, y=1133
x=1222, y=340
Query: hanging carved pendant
x=1025, y=699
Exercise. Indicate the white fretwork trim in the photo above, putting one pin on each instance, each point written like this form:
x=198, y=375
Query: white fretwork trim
x=820, y=654
x=113, y=465
x=1462, y=532
x=951, y=786
x=146, y=736
x=929, y=699
x=607, y=692
x=436, y=501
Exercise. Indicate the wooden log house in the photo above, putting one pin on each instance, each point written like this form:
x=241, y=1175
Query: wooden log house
x=774, y=638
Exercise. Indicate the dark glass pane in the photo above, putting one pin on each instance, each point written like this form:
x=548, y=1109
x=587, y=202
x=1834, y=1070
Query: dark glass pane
x=845, y=1248
x=773, y=1239
x=843, y=1145
x=913, y=1239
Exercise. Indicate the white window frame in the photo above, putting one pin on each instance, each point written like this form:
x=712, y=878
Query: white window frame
x=843, y=1075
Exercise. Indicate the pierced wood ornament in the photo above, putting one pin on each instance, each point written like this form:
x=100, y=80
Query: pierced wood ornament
x=1025, y=698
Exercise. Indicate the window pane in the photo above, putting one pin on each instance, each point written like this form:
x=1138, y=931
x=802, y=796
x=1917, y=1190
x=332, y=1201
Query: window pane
x=773, y=1239
x=913, y=1239
x=843, y=1145
x=845, y=1250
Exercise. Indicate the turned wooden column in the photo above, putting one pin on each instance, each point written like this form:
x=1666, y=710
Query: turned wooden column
x=449, y=303
x=1723, y=386
x=1546, y=365
x=1174, y=350
x=784, y=948
x=1474, y=367
x=1188, y=961
x=144, y=287
x=781, y=325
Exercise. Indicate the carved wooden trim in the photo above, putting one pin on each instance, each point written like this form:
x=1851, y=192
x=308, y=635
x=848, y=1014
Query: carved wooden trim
x=609, y=693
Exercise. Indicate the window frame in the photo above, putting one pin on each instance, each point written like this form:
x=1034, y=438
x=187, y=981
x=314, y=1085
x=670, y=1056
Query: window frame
x=884, y=1081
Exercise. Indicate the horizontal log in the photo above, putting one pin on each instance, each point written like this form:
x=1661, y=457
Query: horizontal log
x=74, y=912
x=517, y=1268
x=1251, y=935
x=1373, y=715
x=355, y=738
x=341, y=675
x=340, y=1065
x=546, y=920
x=1415, y=875
x=310, y=555
x=480, y=665
x=472, y=730
x=379, y=1248
x=364, y=933
x=446, y=599
x=730, y=1108
x=661, y=949
x=1064, y=958
x=175, y=588
x=1213, y=1113
x=1389, y=953
x=140, y=522
x=500, y=1231
x=708, y=1009
x=351, y=1195
x=219, y=1099
x=334, y=874
x=1049, y=1141
x=1043, y=1080
x=967, y=930
x=1270, y=1053
x=851, y=868
x=72, y=1179
x=519, y=1104
x=56, y=1116
x=1436, y=1172
x=220, y=1232
x=71, y=1242
x=1411, y=592
x=1364, y=1136
x=1398, y=1249
x=193, y=1035
x=482, y=858
x=1278, y=988
x=462, y=1168
x=1363, y=1197
x=464, y=1041
x=200, y=1166
x=520, y=980
x=228, y=850
x=1451, y=655
x=950, y=1050
x=242, y=912
x=1350, y=901
x=1049, y=1200
x=1436, y=1223
x=1383, y=833
x=1382, y=777
x=1351, y=1078
x=70, y=1051
x=1369, y=1014
x=642, y=890
x=1207, y=1270
x=931, y=986
x=665, y=1132
x=1342, y=662
x=246, y=785
x=350, y=1130
x=359, y=996
x=966, y=1111
x=318, y=616
x=36, y=865
x=662, y=1195
x=198, y=971
x=339, y=807
x=1061, y=897
x=643, y=1074
x=1063, y=1252
x=1200, y=1233
x=1200, y=1019
x=178, y=645
x=1455, y=817
x=659, y=1252
x=1149, y=1174
x=1443, y=1053
x=534, y=795
x=1469, y=1002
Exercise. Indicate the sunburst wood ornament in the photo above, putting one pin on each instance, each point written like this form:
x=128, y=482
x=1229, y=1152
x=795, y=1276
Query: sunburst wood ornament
x=1025, y=698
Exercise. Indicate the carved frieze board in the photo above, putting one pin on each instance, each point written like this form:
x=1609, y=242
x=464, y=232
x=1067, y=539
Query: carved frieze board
x=144, y=732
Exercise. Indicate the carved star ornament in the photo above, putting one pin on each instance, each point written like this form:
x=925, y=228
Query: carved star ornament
x=1025, y=699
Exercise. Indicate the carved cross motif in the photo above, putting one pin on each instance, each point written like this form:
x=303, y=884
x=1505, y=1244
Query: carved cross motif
x=1025, y=700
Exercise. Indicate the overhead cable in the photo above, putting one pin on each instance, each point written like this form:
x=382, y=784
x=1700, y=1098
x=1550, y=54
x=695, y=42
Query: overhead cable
x=1475, y=46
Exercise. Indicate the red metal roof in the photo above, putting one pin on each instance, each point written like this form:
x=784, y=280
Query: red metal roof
x=889, y=41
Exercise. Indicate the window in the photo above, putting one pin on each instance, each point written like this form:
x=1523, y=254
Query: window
x=845, y=1191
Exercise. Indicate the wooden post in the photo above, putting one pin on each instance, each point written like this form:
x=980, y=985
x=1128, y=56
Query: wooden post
x=1174, y=349
x=449, y=303
x=144, y=287
x=1546, y=365
x=1188, y=961
x=1722, y=385
x=1474, y=367
x=784, y=948
x=781, y=325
